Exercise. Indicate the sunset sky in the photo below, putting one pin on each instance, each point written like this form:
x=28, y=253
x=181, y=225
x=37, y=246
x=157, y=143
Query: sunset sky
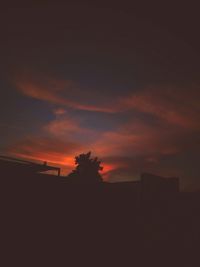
x=120, y=80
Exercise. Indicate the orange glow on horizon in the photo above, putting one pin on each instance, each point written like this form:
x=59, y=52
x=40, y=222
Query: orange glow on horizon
x=66, y=163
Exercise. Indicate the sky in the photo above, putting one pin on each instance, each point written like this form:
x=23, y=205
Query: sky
x=120, y=80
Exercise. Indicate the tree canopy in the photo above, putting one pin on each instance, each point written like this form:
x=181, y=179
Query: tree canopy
x=87, y=169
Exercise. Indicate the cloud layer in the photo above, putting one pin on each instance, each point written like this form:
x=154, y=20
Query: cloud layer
x=154, y=127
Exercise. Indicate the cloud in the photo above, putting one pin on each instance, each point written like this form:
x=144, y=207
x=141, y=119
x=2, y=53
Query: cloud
x=59, y=111
x=178, y=106
x=56, y=142
x=125, y=152
x=153, y=127
x=141, y=146
x=63, y=127
x=60, y=92
x=138, y=138
x=173, y=105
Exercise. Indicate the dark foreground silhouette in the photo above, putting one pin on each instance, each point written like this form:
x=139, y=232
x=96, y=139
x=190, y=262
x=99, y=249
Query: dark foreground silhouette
x=50, y=219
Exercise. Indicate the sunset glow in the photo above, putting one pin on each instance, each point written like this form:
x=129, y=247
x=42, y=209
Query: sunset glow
x=119, y=85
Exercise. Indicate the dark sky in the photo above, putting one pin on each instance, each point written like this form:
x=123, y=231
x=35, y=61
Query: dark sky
x=121, y=80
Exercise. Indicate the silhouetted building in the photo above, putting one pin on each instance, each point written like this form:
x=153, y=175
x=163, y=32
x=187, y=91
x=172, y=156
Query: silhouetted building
x=86, y=176
x=154, y=185
x=18, y=167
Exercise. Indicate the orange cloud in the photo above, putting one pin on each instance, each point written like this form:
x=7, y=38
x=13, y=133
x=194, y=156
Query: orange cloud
x=59, y=92
x=63, y=127
x=59, y=111
x=137, y=140
x=163, y=124
x=171, y=105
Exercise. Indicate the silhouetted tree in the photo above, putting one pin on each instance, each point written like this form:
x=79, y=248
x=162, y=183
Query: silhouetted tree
x=87, y=169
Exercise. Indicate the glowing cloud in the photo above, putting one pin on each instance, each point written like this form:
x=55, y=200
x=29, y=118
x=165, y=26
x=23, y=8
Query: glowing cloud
x=153, y=126
x=61, y=92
